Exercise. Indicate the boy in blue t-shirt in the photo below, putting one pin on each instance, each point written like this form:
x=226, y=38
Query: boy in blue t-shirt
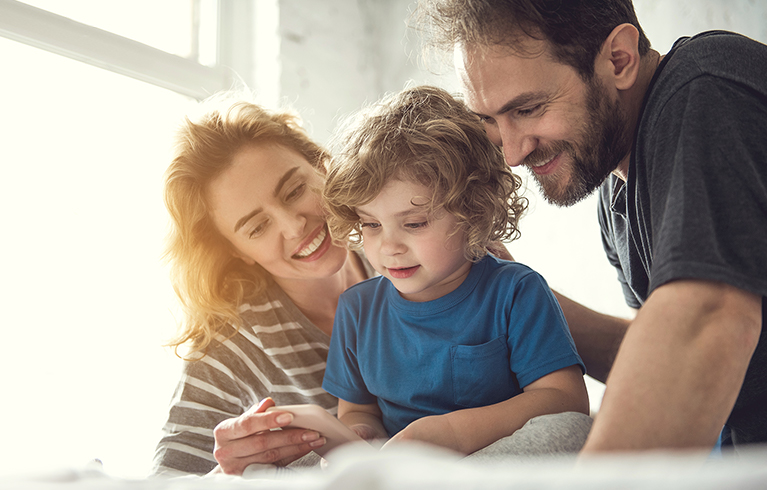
x=450, y=345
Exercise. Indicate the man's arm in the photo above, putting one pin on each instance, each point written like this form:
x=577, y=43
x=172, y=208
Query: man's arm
x=597, y=336
x=679, y=369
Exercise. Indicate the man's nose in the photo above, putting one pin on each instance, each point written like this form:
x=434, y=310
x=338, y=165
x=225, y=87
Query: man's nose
x=515, y=143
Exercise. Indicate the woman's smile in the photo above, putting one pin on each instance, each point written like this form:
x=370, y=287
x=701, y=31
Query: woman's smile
x=316, y=247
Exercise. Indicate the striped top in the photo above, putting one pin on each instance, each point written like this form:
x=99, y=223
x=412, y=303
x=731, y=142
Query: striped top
x=277, y=352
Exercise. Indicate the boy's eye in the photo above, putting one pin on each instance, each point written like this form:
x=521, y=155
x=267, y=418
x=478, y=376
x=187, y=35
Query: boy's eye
x=414, y=226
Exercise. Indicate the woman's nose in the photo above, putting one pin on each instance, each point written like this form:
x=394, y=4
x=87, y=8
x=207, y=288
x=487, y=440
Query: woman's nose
x=292, y=224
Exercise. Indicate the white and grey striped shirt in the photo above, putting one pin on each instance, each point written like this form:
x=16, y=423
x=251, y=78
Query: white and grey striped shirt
x=277, y=352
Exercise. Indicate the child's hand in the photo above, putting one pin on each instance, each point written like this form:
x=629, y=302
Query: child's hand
x=436, y=429
x=364, y=431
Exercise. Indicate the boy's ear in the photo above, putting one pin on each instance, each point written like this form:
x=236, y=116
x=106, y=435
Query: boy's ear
x=618, y=60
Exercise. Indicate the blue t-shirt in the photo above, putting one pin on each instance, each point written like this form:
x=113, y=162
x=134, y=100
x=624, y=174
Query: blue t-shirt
x=499, y=331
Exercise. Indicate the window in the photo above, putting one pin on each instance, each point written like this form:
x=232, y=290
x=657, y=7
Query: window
x=85, y=298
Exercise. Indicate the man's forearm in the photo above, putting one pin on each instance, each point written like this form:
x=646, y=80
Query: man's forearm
x=597, y=336
x=679, y=369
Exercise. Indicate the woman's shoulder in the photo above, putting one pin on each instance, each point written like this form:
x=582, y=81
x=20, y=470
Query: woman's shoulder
x=267, y=308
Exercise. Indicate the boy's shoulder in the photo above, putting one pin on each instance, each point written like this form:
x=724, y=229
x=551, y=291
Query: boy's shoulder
x=365, y=289
x=504, y=274
x=507, y=268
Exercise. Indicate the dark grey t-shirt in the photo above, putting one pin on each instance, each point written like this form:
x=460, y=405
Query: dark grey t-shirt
x=695, y=203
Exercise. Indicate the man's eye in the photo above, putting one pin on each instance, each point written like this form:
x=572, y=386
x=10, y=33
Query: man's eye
x=372, y=226
x=530, y=111
x=295, y=192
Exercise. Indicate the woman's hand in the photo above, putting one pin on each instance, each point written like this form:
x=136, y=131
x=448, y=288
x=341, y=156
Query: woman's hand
x=248, y=439
x=435, y=429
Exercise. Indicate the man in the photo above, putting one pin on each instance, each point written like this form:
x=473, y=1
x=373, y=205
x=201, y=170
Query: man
x=677, y=146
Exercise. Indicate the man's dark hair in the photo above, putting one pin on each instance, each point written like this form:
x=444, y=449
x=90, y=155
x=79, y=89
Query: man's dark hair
x=576, y=29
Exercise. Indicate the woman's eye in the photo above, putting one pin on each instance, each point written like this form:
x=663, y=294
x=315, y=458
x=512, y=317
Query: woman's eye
x=258, y=230
x=295, y=192
x=372, y=226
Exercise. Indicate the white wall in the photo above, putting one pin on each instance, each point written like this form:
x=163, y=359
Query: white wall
x=337, y=55
x=665, y=21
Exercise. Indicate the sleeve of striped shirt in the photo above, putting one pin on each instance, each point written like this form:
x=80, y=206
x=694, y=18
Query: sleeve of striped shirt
x=276, y=353
x=207, y=394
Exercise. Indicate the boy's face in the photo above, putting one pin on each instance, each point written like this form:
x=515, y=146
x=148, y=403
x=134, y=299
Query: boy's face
x=420, y=253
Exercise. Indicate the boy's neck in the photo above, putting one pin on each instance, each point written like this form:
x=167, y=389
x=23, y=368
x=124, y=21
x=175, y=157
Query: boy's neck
x=445, y=287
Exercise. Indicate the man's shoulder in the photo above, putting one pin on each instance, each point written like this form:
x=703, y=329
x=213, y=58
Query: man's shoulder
x=721, y=54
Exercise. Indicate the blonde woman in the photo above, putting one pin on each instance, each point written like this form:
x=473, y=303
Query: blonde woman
x=259, y=279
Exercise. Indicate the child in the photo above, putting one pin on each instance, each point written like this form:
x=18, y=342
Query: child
x=449, y=345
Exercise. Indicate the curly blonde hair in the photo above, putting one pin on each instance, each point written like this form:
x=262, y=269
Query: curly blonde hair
x=425, y=135
x=209, y=280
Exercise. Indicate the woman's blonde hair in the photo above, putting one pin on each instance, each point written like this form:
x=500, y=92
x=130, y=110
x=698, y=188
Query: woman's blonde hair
x=425, y=135
x=209, y=280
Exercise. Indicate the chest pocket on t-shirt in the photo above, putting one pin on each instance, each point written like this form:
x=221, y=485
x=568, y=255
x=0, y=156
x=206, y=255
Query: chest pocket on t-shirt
x=481, y=373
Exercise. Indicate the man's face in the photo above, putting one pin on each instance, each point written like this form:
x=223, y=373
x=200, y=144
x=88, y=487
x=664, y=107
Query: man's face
x=571, y=134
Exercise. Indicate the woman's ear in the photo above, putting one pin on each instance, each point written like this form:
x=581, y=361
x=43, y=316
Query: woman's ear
x=244, y=258
x=618, y=60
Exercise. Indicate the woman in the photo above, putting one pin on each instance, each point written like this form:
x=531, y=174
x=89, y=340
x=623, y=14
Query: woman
x=259, y=278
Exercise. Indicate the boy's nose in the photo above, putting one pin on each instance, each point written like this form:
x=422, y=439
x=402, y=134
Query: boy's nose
x=392, y=245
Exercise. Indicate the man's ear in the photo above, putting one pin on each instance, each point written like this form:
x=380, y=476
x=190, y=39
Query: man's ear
x=618, y=60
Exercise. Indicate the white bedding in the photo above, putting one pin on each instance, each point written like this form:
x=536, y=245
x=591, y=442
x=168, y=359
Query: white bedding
x=419, y=467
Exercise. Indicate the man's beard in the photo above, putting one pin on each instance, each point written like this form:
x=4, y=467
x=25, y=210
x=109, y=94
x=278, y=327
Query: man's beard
x=603, y=143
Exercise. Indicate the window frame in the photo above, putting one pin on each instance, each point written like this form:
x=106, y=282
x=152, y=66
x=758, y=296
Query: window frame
x=61, y=35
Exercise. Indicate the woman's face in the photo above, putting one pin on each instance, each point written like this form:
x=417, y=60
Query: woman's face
x=266, y=206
